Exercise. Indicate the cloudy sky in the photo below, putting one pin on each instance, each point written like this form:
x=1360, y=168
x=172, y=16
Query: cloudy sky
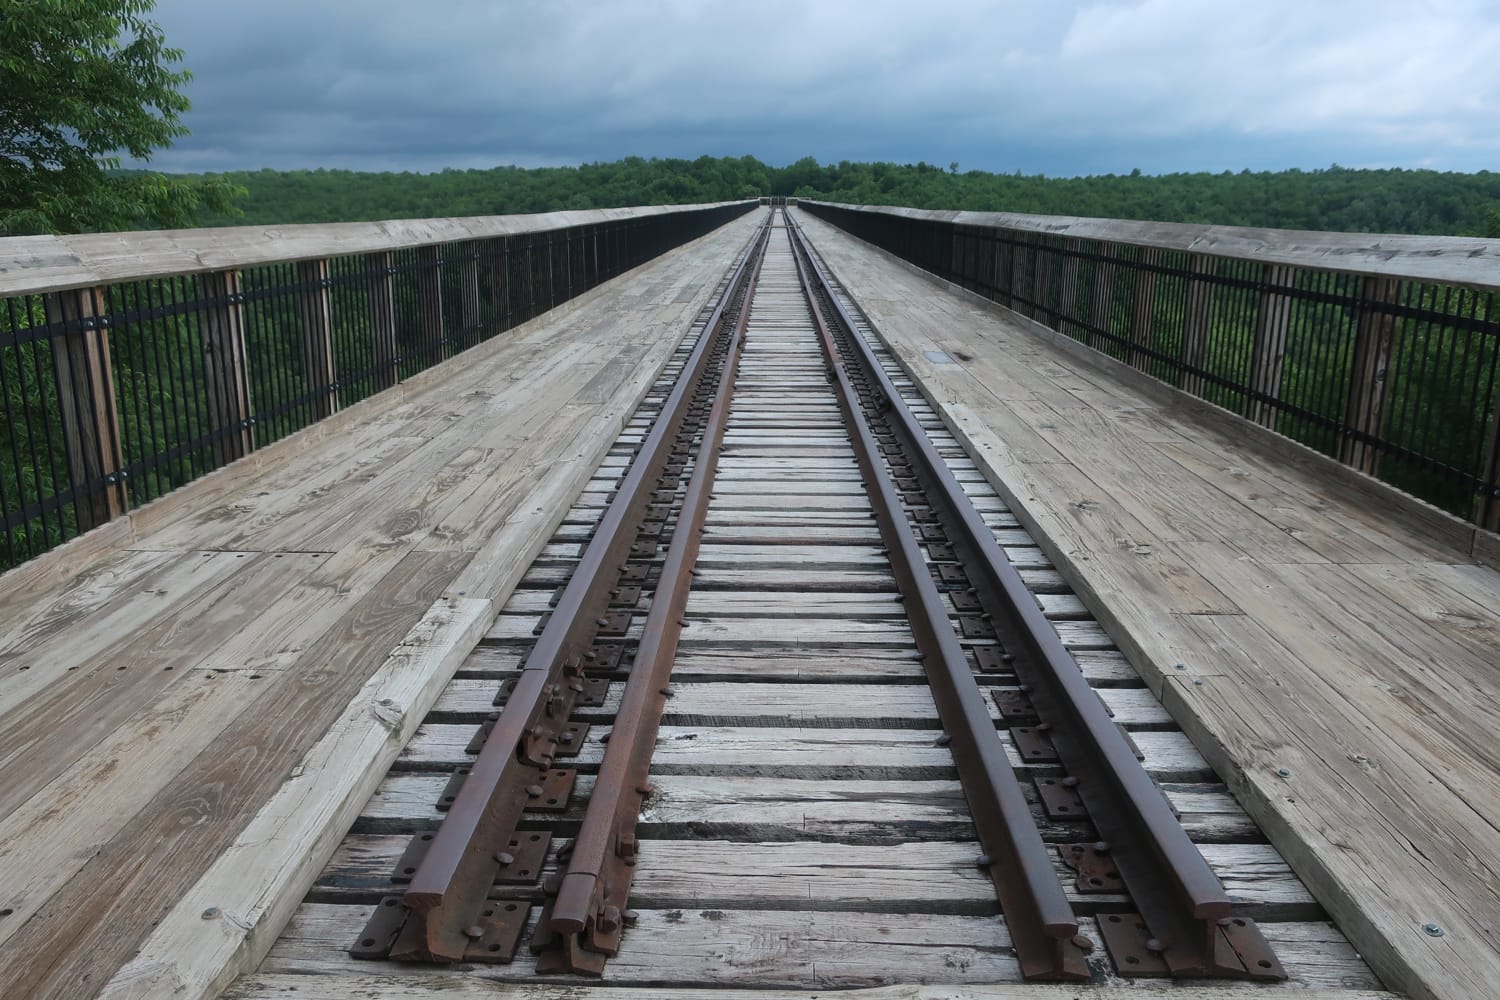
x=1060, y=87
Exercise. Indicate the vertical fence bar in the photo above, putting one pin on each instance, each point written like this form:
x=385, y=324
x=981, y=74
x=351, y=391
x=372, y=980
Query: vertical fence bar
x=1068, y=297
x=384, y=357
x=1196, y=323
x=1268, y=357
x=86, y=400
x=430, y=293
x=315, y=308
x=224, y=366
x=1364, y=411
x=1143, y=308
x=1104, y=297
x=468, y=286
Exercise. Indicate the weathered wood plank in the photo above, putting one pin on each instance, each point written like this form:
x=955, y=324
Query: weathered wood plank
x=49, y=263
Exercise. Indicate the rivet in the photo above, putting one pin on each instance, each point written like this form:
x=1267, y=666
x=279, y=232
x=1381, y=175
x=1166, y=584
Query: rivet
x=983, y=861
x=474, y=931
x=1182, y=666
x=1432, y=930
x=1284, y=772
x=535, y=791
x=1155, y=945
x=1070, y=782
x=505, y=858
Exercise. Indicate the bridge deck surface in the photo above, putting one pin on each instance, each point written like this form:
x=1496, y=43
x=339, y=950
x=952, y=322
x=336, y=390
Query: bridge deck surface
x=158, y=687
x=1335, y=657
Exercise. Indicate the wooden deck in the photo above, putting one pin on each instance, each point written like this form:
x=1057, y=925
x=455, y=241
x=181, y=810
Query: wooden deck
x=168, y=683
x=1334, y=652
x=196, y=700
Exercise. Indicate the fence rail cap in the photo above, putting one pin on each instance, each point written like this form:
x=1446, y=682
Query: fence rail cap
x=1473, y=261
x=37, y=264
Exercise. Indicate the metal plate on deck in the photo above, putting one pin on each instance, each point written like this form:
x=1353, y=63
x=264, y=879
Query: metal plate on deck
x=1034, y=745
x=527, y=852
x=1060, y=797
x=1095, y=868
x=1130, y=945
x=500, y=925
x=374, y=942
x=552, y=792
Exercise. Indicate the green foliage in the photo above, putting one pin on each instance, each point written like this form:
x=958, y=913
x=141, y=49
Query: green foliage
x=1395, y=201
x=83, y=82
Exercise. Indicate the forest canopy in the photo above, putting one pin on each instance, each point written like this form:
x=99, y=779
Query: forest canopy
x=1336, y=198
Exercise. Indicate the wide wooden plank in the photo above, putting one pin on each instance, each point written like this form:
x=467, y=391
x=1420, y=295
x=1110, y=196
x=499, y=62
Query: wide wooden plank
x=693, y=805
x=799, y=949
x=458, y=986
x=789, y=752
x=725, y=704
x=1340, y=665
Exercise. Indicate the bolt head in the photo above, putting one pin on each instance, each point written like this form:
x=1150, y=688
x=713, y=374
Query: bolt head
x=211, y=913
x=1432, y=930
x=1155, y=945
x=1284, y=772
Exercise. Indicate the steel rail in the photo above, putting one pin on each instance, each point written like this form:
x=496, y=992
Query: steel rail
x=1187, y=913
x=448, y=891
x=1043, y=928
x=582, y=925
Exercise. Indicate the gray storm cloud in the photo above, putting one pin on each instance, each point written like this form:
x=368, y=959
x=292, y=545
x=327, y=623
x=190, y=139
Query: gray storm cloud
x=1056, y=87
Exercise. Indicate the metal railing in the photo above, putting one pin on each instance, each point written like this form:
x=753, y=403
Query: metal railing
x=1380, y=351
x=129, y=366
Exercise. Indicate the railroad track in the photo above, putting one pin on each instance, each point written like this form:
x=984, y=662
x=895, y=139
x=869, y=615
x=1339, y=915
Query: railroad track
x=791, y=700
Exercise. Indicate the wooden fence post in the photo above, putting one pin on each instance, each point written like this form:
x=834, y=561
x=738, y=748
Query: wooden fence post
x=1143, y=307
x=1364, y=411
x=381, y=269
x=1196, y=323
x=315, y=306
x=1104, y=298
x=430, y=293
x=1268, y=355
x=224, y=366
x=86, y=399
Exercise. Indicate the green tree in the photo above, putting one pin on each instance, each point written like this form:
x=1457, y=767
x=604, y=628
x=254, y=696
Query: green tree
x=81, y=82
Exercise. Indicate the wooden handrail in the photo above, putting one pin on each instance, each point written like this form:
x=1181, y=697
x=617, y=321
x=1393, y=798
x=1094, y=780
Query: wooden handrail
x=1471, y=261
x=38, y=264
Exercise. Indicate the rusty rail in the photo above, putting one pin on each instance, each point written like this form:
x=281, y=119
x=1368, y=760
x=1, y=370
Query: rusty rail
x=583, y=923
x=1185, y=926
x=445, y=914
x=1042, y=926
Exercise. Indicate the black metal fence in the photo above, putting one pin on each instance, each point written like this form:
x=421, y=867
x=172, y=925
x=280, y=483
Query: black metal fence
x=1399, y=378
x=112, y=396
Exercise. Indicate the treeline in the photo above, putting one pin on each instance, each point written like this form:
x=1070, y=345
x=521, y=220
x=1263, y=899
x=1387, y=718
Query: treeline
x=1340, y=199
